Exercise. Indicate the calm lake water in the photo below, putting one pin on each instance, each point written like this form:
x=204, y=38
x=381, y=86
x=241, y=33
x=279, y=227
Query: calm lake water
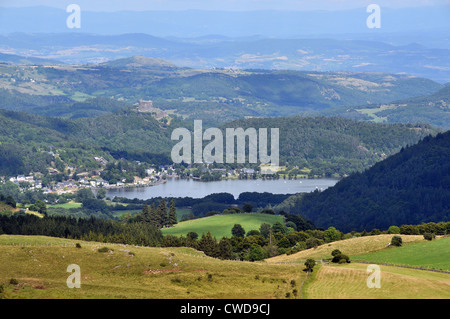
x=197, y=189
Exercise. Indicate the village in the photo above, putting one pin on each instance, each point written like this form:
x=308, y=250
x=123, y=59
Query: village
x=69, y=182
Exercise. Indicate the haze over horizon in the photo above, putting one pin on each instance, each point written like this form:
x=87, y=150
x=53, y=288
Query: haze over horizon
x=264, y=18
x=219, y=5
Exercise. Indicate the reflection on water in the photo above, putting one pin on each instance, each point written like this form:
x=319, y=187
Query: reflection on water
x=197, y=189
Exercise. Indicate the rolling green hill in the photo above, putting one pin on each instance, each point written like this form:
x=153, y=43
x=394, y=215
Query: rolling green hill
x=432, y=108
x=39, y=266
x=335, y=145
x=215, y=96
x=355, y=246
x=36, y=267
x=424, y=254
x=220, y=225
x=325, y=146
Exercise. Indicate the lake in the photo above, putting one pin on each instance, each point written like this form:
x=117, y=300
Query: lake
x=196, y=189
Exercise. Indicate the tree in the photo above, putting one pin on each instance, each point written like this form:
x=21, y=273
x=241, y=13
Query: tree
x=41, y=207
x=208, y=245
x=313, y=242
x=284, y=242
x=394, y=230
x=84, y=193
x=146, y=214
x=332, y=234
x=255, y=253
x=161, y=214
x=278, y=227
x=336, y=252
x=238, y=230
x=101, y=193
x=309, y=264
x=264, y=229
x=253, y=232
x=10, y=201
x=192, y=235
x=172, y=218
x=225, y=248
x=247, y=208
x=292, y=225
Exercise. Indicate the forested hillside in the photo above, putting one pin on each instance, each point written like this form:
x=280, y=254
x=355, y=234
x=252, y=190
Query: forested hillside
x=412, y=186
x=336, y=145
x=213, y=95
x=323, y=146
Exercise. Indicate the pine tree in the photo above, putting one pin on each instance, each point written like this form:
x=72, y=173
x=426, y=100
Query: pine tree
x=208, y=245
x=224, y=248
x=146, y=214
x=172, y=219
x=162, y=214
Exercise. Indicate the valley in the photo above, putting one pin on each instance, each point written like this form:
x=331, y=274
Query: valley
x=135, y=141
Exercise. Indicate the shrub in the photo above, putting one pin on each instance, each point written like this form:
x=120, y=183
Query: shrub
x=339, y=257
x=77, y=245
x=336, y=252
x=396, y=241
x=13, y=282
x=313, y=242
x=428, y=236
x=309, y=264
x=103, y=250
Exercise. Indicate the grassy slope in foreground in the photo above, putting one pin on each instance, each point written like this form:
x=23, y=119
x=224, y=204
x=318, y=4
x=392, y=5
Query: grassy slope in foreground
x=39, y=265
x=350, y=247
x=427, y=254
x=221, y=225
x=349, y=281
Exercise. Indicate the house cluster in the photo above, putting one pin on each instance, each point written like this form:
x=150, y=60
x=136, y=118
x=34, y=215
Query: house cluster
x=29, y=181
x=83, y=180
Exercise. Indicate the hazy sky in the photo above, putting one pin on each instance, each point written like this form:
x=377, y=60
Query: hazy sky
x=298, y=5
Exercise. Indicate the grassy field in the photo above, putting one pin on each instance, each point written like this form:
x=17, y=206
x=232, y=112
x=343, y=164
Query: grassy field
x=349, y=281
x=350, y=247
x=67, y=205
x=221, y=225
x=427, y=254
x=39, y=265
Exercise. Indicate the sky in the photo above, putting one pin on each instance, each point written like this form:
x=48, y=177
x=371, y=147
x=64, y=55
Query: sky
x=233, y=5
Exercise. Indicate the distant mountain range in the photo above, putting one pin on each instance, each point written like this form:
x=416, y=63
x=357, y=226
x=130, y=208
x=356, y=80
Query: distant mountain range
x=309, y=54
x=213, y=95
x=22, y=60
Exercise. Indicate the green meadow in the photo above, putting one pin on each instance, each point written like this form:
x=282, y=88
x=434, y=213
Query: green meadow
x=221, y=225
x=426, y=254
